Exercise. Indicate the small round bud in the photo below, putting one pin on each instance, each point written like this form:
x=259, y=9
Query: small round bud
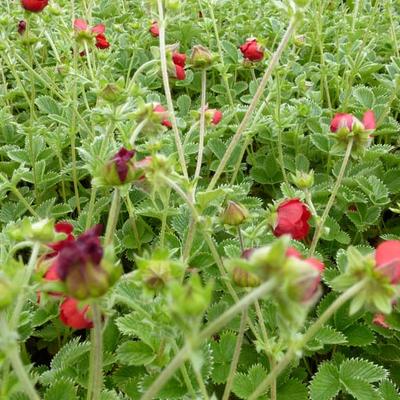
x=201, y=57
x=234, y=214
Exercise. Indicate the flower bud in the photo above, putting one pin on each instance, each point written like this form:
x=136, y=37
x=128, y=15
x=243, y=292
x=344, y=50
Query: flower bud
x=201, y=57
x=21, y=27
x=252, y=51
x=154, y=29
x=80, y=266
x=113, y=93
x=244, y=278
x=41, y=231
x=303, y=180
x=213, y=116
x=234, y=214
x=120, y=170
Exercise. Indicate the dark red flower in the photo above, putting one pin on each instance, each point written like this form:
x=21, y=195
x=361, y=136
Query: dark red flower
x=160, y=109
x=387, y=257
x=121, y=160
x=34, y=5
x=62, y=227
x=154, y=30
x=21, y=27
x=101, y=41
x=252, y=51
x=73, y=316
x=179, y=59
x=293, y=216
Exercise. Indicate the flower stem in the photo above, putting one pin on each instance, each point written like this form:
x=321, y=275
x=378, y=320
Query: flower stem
x=136, y=132
x=21, y=373
x=318, y=230
x=167, y=89
x=96, y=357
x=23, y=289
x=260, y=90
x=140, y=70
x=212, y=328
x=309, y=334
x=112, y=218
x=236, y=355
x=202, y=123
x=92, y=201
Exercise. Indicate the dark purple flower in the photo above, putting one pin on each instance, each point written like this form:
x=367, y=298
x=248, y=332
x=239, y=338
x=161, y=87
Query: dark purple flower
x=121, y=161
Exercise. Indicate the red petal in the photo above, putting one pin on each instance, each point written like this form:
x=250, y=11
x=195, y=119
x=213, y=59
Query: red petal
x=387, y=257
x=71, y=315
x=80, y=24
x=369, y=120
x=99, y=29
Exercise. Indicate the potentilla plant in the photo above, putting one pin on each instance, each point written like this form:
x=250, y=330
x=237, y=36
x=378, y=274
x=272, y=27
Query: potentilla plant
x=198, y=200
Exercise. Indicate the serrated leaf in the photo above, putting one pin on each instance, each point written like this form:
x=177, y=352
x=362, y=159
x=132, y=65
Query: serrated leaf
x=388, y=391
x=325, y=384
x=292, y=390
x=359, y=335
x=362, y=369
x=245, y=384
x=361, y=390
x=61, y=390
x=135, y=353
x=328, y=335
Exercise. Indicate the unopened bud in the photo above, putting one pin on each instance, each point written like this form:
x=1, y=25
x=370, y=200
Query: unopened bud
x=234, y=214
x=201, y=57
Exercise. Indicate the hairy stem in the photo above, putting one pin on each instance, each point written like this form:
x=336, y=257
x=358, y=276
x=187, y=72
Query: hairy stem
x=309, y=334
x=236, y=138
x=236, y=355
x=202, y=123
x=112, y=218
x=167, y=89
x=318, y=230
x=212, y=328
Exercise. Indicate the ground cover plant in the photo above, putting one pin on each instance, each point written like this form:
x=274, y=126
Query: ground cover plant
x=199, y=199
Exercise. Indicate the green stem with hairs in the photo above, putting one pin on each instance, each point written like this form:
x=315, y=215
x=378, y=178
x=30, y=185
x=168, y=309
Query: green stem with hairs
x=112, y=217
x=167, y=89
x=320, y=226
x=309, y=334
x=260, y=90
x=236, y=355
x=202, y=123
x=212, y=328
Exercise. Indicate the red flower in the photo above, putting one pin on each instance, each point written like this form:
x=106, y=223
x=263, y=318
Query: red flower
x=34, y=5
x=161, y=110
x=73, y=316
x=387, y=257
x=293, y=216
x=343, y=120
x=309, y=286
x=101, y=42
x=154, y=30
x=369, y=120
x=379, y=319
x=180, y=73
x=21, y=27
x=179, y=59
x=252, y=51
x=217, y=117
x=98, y=31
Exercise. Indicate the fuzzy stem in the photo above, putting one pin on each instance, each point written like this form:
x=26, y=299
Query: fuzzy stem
x=112, y=218
x=23, y=289
x=212, y=328
x=96, y=358
x=92, y=201
x=21, y=373
x=309, y=334
x=236, y=138
x=241, y=241
x=189, y=240
x=140, y=70
x=236, y=355
x=331, y=200
x=167, y=89
x=202, y=123
x=136, y=132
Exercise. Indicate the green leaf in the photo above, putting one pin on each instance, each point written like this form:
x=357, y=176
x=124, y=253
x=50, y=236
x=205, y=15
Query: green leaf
x=321, y=142
x=48, y=105
x=292, y=390
x=184, y=103
x=361, y=390
x=359, y=335
x=364, y=96
x=245, y=384
x=328, y=335
x=388, y=391
x=362, y=369
x=61, y=390
x=135, y=353
x=231, y=49
x=325, y=384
